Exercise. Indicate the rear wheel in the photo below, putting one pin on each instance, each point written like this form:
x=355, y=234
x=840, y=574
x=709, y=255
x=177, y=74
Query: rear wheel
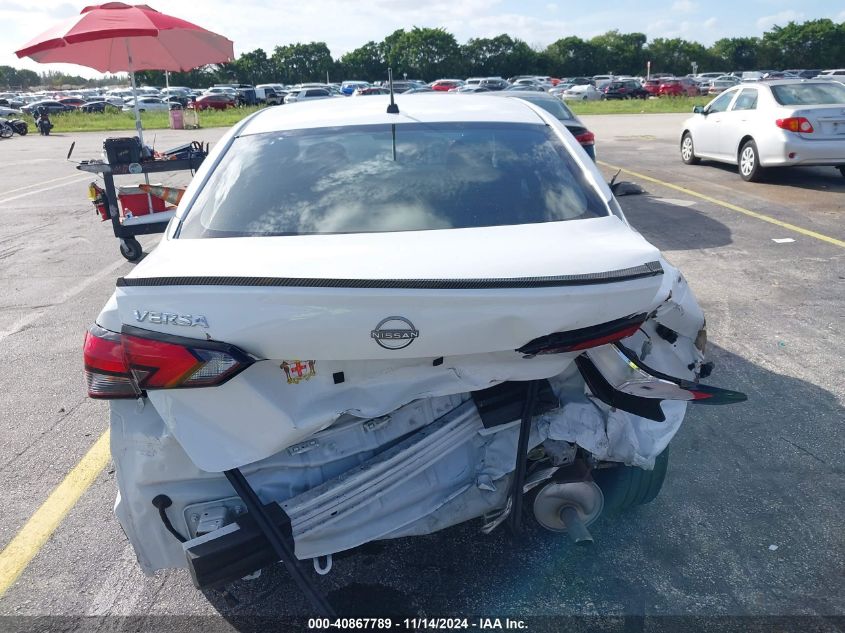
x=688, y=150
x=749, y=162
x=625, y=487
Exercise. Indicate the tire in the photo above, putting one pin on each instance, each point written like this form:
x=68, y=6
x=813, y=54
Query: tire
x=23, y=129
x=688, y=150
x=749, y=162
x=131, y=249
x=625, y=487
x=6, y=131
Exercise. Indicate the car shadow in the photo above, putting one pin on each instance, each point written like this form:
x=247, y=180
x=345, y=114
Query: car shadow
x=691, y=229
x=826, y=179
x=747, y=524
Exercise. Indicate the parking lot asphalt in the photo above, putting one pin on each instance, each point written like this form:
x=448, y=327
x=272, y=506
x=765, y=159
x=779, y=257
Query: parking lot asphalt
x=749, y=522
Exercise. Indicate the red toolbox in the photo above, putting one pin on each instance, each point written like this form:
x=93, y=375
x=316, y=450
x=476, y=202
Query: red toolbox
x=137, y=202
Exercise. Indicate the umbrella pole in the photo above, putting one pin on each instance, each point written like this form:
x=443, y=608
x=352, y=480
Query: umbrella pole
x=138, y=125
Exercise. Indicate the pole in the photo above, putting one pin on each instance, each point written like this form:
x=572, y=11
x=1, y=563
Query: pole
x=138, y=125
x=135, y=96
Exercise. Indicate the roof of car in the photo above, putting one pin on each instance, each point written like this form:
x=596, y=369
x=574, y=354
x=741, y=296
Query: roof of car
x=423, y=108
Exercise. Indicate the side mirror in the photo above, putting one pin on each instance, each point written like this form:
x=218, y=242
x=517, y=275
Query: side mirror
x=698, y=110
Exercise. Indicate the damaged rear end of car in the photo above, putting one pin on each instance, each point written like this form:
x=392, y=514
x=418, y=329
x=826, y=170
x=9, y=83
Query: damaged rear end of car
x=364, y=326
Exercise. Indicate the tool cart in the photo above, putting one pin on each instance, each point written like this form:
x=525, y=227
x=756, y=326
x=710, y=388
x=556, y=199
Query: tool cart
x=133, y=212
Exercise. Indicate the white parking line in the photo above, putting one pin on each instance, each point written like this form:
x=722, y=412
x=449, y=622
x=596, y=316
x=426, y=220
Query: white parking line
x=42, y=189
x=37, y=184
x=32, y=317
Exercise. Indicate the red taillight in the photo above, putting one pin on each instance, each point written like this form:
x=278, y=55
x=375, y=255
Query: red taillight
x=166, y=362
x=125, y=365
x=586, y=138
x=105, y=371
x=795, y=124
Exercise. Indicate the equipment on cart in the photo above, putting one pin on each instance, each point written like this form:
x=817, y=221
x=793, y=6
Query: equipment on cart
x=173, y=195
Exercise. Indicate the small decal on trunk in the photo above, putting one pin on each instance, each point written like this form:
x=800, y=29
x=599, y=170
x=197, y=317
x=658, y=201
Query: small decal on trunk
x=299, y=370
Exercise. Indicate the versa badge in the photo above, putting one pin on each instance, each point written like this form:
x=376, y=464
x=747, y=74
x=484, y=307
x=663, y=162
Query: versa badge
x=297, y=370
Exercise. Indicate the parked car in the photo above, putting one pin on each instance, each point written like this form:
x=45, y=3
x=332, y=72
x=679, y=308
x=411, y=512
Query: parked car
x=470, y=89
x=562, y=113
x=390, y=392
x=682, y=87
x=494, y=83
x=652, y=87
x=148, y=104
x=348, y=87
x=53, y=107
x=525, y=87
x=401, y=86
x=366, y=91
x=74, y=102
x=582, y=93
x=100, y=107
x=445, y=85
x=214, y=101
x=627, y=89
x=770, y=124
x=308, y=94
x=718, y=86
x=273, y=96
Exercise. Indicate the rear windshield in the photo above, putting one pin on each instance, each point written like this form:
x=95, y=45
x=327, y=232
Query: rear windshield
x=374, y=178
x=809, y=94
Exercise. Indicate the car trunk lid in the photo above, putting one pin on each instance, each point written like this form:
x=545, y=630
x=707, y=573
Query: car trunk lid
x=828, y=122
x=464, y=291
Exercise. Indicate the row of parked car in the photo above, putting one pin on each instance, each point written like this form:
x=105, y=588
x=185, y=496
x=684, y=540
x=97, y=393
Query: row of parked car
x=148, y=100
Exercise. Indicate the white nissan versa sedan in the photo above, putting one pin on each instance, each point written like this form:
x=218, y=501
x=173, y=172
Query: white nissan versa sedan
x=770, y=124
x=367, y=322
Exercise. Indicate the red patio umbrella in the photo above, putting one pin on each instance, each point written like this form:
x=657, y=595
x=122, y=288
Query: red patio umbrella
x=118, y=37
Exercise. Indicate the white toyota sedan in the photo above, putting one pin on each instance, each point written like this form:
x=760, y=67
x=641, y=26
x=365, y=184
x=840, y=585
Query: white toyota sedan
x=369, y=321
x=769, y=124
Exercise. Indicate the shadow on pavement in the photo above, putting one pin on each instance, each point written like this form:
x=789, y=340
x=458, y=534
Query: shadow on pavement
x=748, y=524
x=671, y=227
x=824, y=179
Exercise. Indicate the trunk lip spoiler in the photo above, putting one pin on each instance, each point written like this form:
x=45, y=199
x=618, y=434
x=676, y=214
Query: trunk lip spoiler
x=649, y=269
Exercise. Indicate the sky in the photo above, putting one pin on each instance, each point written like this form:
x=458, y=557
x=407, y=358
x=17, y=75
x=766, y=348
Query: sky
x=346, y=24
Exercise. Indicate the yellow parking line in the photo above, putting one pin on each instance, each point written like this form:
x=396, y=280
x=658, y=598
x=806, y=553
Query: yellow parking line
x=32, y=536
x=732, y=207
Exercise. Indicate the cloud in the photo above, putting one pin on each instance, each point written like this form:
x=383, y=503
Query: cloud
x=711, y=23
x=684, y=6
x=779, y=19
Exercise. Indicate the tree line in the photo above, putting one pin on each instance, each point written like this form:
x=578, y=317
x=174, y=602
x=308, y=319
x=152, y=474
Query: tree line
x=432, y=53
x=22, y=79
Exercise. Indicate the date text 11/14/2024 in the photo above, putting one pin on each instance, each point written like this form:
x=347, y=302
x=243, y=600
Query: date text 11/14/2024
x=415, y=624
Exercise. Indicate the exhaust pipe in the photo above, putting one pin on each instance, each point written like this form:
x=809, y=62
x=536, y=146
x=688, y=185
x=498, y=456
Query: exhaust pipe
x=575, y=528
x=569, y=508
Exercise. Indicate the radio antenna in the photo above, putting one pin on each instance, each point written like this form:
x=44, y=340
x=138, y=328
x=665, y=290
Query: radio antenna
x=392, y=108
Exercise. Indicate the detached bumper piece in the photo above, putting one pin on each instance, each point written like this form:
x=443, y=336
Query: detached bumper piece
x=233, y=551
x=281, y=542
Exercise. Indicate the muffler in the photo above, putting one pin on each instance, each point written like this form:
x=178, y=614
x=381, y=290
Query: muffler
x=569, y=507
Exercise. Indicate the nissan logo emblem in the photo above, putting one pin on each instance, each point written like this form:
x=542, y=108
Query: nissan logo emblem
x=395, y=332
